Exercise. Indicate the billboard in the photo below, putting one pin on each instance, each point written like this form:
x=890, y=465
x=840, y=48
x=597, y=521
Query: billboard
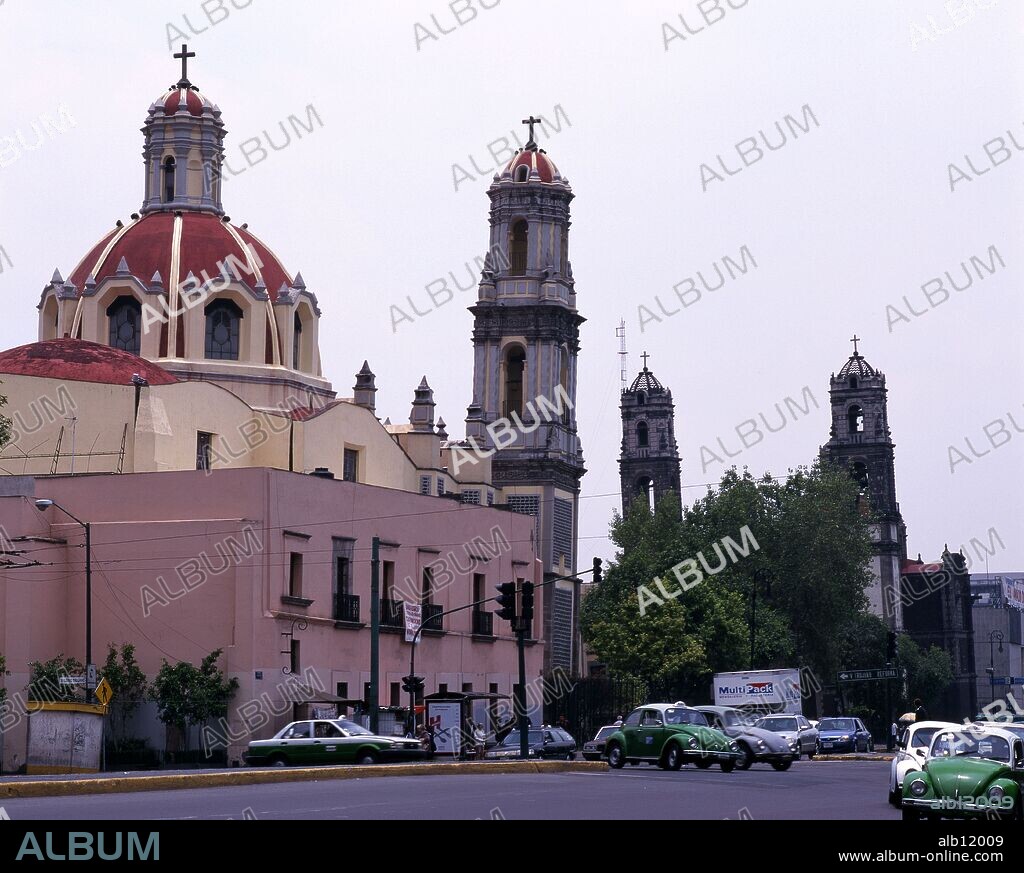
x=1013, y=592
x=763, y=690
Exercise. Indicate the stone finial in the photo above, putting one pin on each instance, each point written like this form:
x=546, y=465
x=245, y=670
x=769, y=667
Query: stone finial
x=157, y=282
x=122, y=267
x=366, y=388
x=422, y=415
x=56, y=279
x=441, y=432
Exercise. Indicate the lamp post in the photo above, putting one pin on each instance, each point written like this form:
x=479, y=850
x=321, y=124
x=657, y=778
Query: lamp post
x=42, y=506
x=993, y=637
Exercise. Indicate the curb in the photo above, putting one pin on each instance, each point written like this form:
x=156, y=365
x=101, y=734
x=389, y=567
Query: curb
x=860, y=756
x=121, y=784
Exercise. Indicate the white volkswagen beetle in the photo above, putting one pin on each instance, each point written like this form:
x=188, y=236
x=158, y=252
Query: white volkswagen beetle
x=911, y=753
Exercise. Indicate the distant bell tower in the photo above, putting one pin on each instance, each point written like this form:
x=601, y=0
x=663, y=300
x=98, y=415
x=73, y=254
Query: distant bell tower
x=861, y=444
x=649, y=460
x=525, y=344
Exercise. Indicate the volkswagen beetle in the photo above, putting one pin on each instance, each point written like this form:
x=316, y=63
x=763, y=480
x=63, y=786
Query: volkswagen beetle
x=670, y=735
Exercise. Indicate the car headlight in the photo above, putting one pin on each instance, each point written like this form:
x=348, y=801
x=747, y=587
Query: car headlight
x=995, y=793
x=733, y=747
x=846, y=739
x=792, y=743
x=693, y=743
x=533, y=753
x=918, y=787
x=760, y=744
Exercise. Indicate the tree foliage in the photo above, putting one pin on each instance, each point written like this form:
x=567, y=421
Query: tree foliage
x=810, y=569
x=929, y=671
x=187, y=695
x=3, y=672
x=44, y=679
x=128, y=683
x=5, y=424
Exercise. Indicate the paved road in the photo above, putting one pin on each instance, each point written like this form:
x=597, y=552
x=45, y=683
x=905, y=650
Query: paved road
x=808, y=790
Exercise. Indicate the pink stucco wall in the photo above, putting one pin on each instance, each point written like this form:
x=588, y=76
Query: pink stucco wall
x=147, y=525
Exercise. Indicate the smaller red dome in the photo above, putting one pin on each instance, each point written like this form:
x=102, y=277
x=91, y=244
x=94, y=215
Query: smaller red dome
x=194, y=102
x=76, y=360
x=534, y=160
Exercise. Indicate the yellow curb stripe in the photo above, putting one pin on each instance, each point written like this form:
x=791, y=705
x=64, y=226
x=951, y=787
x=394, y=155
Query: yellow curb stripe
x=229, y=778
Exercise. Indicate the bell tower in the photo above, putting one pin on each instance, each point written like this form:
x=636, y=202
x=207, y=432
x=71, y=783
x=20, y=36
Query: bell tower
x=525, y=343
x=649, y=460
x=862, y=444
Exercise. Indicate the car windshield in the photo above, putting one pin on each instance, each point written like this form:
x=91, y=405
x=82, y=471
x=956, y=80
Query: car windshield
x=957, y=745
x=922, y=738
x=778, y=724
x=353, y=729
x=534, y=738
x=836, y=724
x=678, y=715
x=605, y=732
x=735, y=718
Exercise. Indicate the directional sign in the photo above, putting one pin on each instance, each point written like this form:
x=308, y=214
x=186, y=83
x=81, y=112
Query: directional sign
x=868, y=675
x=104, y=692
x=72, y=680
x=1008, y=680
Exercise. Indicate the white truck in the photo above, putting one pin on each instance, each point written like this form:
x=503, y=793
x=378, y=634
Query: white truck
x=760, y=691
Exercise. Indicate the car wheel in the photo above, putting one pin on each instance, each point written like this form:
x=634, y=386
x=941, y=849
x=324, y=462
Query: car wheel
x=702, y=763
x=747, y=759
x=673, y=757
x=569, y=756
x=871, y=745
x=367, y=757
x=278, y=761
x=728, y=766
x=896, y=799
x=911, y=814
x=811, y=753
x=782, y=765
x=616, y=757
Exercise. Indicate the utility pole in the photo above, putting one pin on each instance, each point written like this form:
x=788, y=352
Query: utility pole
x=520, y=689
x=374, y=701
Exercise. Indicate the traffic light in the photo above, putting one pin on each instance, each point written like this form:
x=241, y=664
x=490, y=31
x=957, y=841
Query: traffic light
x=891, y=647
x=412, y=684
x=507, y=601
x=597, y=569
x=526, y=611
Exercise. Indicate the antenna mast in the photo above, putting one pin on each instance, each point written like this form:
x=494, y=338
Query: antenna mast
x=620, y=332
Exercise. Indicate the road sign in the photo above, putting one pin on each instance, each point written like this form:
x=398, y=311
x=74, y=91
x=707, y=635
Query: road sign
x=1008, y=680
x=72, y=680
x=104, y=692
x=413, y=619
x=90, y=673
x=868, y=675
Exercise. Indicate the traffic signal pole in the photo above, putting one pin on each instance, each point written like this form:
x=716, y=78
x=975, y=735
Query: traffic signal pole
x=520, y=696
x=374, y=701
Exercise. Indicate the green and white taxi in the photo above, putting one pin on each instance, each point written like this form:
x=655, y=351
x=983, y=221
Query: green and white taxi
x=329, y=741
x=970, y=772
x=670, y=735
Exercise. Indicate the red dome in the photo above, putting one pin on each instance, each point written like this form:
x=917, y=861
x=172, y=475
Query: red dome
x=535, y=160
x=194, y=102
x=147, y=247
x=80, y=361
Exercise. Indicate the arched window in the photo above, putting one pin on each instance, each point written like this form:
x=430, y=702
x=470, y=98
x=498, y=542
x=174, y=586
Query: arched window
x=645, y=488
x=125, y=315
x=642, y=435
x=522, y=173
x=853, y=381
x=297, y=344
x=564, y=260
x=641, y=398
x=859, y=472
x=169, y=166
x=515, y=369
x=223, y=326
x=517, y=249
x=563, y=381
x=855, y=419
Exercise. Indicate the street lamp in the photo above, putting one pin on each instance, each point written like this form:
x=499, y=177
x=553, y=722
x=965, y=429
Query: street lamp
x=42, y=506
x=993, y=637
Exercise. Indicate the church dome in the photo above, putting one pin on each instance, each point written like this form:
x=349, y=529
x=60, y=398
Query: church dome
x=175, y=246
x=646, y=381
x=170, y=101
x=535, y=161
x=857, y=366
x=80, y=361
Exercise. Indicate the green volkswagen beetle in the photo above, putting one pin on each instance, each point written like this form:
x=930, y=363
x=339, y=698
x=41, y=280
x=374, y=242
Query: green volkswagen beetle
x=969, y=773
x=329, y=741
x=670, y=735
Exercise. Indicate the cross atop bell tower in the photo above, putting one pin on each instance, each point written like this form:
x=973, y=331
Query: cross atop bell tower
x=183, y=56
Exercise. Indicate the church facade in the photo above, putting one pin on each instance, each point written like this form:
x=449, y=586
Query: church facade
x=176, y=392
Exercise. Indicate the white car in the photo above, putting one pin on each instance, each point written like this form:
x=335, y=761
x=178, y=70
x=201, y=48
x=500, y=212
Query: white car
x=796, y=730
x=911, y=753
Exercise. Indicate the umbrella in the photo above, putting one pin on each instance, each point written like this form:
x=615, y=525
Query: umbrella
x=908, y=716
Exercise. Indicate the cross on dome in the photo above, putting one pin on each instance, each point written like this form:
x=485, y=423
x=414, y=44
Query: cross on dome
x=531, y=144
x=183, y=56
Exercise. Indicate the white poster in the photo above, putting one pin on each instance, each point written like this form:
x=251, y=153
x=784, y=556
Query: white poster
x=413, y=619
x=444, y=719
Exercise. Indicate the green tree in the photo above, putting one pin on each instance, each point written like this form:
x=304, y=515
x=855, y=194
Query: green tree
x=187, y=695
x=5, y=424
x=128, y=683
x=44, y=679
x=929, y=671
x=3, y=672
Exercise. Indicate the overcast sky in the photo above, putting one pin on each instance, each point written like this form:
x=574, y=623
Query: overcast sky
x=845, y=219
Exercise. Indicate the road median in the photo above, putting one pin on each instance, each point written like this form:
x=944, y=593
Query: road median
x=256, y=776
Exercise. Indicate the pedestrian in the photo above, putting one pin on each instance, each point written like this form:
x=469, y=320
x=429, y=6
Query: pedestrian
x=894, y=730
x=618, y=720
x=920, y=713
x=479, y=740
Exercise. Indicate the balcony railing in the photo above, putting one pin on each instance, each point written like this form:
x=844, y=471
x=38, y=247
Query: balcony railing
x=432, y=620
x=483, y=623
x=392, y=613
x=346, y=608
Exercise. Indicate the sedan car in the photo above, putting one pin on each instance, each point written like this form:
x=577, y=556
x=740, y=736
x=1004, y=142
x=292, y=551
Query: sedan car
x=970, y=773
x=670, y=735
x=844, y=735
x=756, y=744
x=544, y=742
x=795, y=730
x=911, y=753
x=330, y=741
x=594, y=750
